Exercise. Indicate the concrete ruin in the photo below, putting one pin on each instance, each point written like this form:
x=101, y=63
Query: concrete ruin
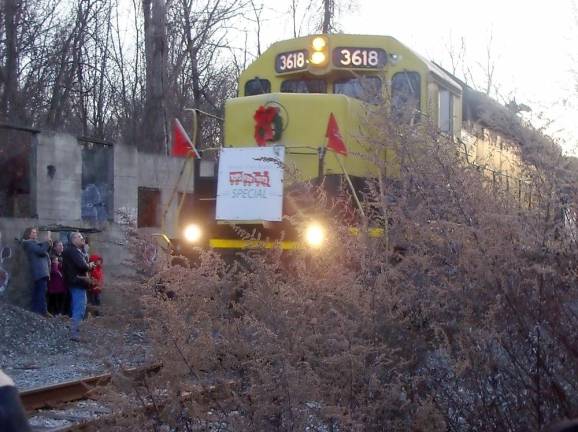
x=62, y=182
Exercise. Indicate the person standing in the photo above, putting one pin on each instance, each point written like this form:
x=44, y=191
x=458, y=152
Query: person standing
x=56, y=288
x=57, y=249
x=39, y=259
x=57, y=292
x=97, y=277
x=76, y=268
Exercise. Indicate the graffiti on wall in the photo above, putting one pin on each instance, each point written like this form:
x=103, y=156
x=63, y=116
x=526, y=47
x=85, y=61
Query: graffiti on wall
x=97, y=183
x=5, y=255
x=94, y=206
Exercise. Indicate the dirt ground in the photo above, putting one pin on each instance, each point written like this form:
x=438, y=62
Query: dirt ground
x=37, y=351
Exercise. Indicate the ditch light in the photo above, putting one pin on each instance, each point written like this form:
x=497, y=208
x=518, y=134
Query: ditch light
x=193, y=233
x=315, y=235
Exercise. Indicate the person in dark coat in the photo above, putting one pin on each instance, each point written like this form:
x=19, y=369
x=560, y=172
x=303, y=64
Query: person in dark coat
x=39, y=259
x=76, y=268
x=12, y=415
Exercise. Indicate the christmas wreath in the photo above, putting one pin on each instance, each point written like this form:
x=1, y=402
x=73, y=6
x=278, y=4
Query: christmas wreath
x=268, y=124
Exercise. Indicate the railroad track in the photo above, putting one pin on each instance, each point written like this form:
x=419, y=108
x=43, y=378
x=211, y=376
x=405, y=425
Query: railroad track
x=55, y=396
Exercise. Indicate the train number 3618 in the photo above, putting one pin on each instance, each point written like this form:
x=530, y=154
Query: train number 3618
x=291, y=61
x=359, y=57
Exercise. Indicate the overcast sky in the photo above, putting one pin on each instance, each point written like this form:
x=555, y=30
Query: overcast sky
x=534, y=45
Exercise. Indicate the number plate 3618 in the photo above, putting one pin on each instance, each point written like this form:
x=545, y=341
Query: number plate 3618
x=363, y=58
x=291, y=61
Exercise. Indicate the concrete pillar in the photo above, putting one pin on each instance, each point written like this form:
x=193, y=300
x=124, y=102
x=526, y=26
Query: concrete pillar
x=58, y=179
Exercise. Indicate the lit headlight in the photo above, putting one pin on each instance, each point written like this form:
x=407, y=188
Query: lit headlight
x=319, y=43
x=193, y=233
x=315, y=235
x=318, y=58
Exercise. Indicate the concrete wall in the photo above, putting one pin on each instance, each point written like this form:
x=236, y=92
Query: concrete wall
x=162, y=173
x=125, y=184
x=58, y=202
x=58, y=198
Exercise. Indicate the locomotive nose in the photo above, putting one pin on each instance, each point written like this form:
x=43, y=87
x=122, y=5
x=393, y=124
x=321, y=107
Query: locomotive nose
x=299, y=122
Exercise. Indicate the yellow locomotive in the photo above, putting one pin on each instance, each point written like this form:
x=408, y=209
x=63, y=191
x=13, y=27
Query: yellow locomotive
x=302, y=92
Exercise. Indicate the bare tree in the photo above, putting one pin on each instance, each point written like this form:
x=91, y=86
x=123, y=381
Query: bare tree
x=328, y=10
x=483, y=75
x=328, y=24
x=127, y=72
x=76, y=67
x=9, y=71
x=65, y=62
x=240, y=56
x=257, y=11
x=300, y=13
x=198, y=39
x=293, y=10
x=154, y=127
x=25, y=28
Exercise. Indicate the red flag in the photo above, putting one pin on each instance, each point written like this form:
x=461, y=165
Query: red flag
x=182, y=145
x=335, y=142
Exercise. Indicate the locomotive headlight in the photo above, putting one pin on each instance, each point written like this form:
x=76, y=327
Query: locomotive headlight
x=193, y=233
x=315, y=235
x=319, y=43
x=318, y=58
x=319, y=54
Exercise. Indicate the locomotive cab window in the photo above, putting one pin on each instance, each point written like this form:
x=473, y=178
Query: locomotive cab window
x=304, y=86
x=257, y=86
x=366, y=88
x=406, y=95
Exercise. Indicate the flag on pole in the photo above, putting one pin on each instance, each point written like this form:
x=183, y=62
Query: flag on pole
x=334, y=139
x=182, y=144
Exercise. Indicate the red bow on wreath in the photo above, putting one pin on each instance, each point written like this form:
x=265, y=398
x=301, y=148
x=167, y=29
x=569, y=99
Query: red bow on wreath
x=268, y=124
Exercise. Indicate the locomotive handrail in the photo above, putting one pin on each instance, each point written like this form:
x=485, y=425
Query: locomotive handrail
x=205, y=114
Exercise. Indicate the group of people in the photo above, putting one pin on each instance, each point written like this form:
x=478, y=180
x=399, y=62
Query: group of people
x=64, y=279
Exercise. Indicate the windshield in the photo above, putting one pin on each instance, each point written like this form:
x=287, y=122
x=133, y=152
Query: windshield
x=257, y=86
x=405, y=95
x=304, y=86
x=366, y=88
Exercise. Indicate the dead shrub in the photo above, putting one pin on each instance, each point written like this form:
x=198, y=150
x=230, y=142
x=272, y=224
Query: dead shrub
x=463, y=319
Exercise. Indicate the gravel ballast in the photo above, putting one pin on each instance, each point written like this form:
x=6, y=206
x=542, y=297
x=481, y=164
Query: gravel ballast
x=37, y=351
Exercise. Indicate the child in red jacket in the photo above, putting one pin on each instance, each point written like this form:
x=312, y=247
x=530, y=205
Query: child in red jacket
x=97, y=276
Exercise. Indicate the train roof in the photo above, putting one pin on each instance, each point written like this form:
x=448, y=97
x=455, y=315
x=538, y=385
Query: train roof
x=433, y=68
x=478, y=108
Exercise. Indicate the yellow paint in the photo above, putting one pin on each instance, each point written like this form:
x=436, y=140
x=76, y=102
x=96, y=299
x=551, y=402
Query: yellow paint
x=220, y=243
x=253, y=244
x=371, y=232
x=305, y=116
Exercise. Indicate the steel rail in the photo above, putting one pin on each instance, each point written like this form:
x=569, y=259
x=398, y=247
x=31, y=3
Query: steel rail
x=218, y=392
x=69, y=391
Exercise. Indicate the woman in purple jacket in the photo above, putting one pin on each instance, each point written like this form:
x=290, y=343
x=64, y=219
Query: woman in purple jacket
x=57, y=292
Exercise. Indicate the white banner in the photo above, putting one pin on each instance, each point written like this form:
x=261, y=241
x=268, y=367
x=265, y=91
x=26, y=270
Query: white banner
x=250, y=184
